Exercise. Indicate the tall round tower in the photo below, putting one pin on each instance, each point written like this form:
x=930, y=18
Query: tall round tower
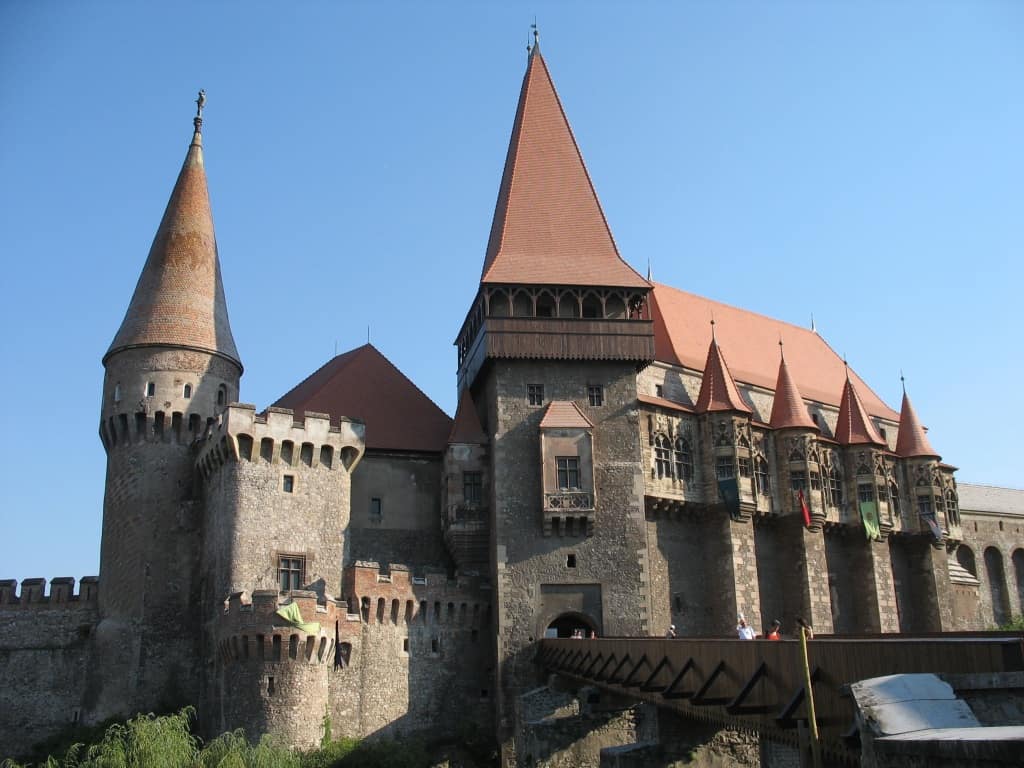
x=171, y=368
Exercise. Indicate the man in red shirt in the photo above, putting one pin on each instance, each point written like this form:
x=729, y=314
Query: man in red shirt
x=773, y=633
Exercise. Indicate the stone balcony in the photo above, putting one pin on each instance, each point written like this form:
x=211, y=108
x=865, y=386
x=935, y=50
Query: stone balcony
x=568, y=513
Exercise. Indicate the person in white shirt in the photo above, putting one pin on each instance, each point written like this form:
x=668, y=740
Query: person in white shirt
x=743, y=631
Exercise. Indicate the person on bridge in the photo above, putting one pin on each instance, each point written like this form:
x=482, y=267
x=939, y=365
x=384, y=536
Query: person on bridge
x=671, y=631
x=801, y=623
x=744, y=631
x=773, y=633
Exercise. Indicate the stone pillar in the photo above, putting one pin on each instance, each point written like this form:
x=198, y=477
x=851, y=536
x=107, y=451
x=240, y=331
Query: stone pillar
x=888, y=617
x=815, y=604
x=744, y=596
x=939, y=562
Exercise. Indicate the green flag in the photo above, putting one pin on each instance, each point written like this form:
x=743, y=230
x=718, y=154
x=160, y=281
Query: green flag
x=293, y=616
x=730, y=490
x=869, y=514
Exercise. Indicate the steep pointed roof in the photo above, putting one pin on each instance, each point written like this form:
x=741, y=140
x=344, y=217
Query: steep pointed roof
x=548, y=225
x=853, y=426
x=680, y=322
x=564, y=414
x=788, y=408
x=912, y=440
x=363, y=384
x=718, y=390
x=179, y=299
x=466, y=427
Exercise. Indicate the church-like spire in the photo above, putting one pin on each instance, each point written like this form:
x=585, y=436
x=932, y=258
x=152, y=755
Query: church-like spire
x=179, y=299
x=548, y=225
x=718, y=390
x=788, y=409
x=912, y=440
x=854, y=427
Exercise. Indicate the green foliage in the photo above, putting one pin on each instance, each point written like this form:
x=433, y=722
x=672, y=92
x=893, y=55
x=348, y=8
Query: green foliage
x=325, y=739
x=329, y=755
x=1016, y=624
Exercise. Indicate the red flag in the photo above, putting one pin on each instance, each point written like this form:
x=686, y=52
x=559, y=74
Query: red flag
x=803, y=507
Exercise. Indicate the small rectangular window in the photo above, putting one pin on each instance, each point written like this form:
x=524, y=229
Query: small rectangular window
x=865, y=492
x=744, y=463
x=798, y=480
x=567, y=469
x=535, y=394
x=570, y=561
x=659, y=390
x=150, y=388
x=186, y=391
x=595, y=393
x=472, y=487
x=376, y=510
x=288, y=483
x=815, y=481
x=291, y=571
x=724, y=467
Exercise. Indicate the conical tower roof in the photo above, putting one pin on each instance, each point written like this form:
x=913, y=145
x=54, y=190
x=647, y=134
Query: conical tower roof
x=466, y=428
x=718, y=390
x=548, y=225
x=179, y=299
x=788, y=409
x=854, y=427
x=912, y=440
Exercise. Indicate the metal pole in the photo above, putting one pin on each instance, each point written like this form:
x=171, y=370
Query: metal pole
x=809, y=693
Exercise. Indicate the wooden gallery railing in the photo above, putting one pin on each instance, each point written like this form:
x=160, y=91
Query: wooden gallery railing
x=758, y=685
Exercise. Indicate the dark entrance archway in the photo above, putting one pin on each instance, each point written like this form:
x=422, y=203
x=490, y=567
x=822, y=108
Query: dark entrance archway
x=566, y=624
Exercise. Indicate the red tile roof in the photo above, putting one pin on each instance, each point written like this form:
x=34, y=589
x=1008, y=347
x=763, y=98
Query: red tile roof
x=681, y=334
x=179, y=299
x=912, y=440
x=853, y=426
x=548, y=225
x=363, y=384
x=788, y=407
x=466, y=427
x=717, y=389
x=564, y=414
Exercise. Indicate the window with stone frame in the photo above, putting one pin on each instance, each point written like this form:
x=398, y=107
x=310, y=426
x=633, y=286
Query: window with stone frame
x=798, y=480
x=835, y=487
x=865, y=492
x=744, y=464
x=376, y=510
x=762, y=477
x=595, y=395
x=567, y=472
x=924, y=505
x=815, y=481
x=535, y=394
x=952, y=508
x=662, y=457
x=725, y=467
x=291, y=571
x=683, y=459
x=472, y=487
x=894, y=498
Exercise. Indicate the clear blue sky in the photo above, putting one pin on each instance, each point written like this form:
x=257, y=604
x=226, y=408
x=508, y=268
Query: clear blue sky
x=859, y=161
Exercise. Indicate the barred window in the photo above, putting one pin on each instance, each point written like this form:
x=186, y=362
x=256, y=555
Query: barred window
x=662, y=457
x=291, y=571
x=535, y=394
x=762, y=477
x=924, y=505
x=725, y=467
x=684, y=459
x=952, y=509
x=865, y=492
x=472, y=487
x=595, y=393
x=568, y=471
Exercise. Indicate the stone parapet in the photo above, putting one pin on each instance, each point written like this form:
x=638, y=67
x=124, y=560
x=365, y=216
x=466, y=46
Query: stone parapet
x=62, y=590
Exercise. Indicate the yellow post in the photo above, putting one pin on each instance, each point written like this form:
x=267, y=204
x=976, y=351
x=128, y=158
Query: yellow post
x=809, y=692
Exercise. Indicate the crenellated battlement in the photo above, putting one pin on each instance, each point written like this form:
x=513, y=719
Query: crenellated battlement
x=252, y=631
x=62, y=591
x=152, y=426
x=277, y=437
x=396, y=596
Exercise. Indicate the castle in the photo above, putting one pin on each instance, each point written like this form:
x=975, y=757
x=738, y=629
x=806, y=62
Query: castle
x=624, y=456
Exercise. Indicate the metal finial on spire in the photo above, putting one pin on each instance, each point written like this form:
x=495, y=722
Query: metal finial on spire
x=903, y=382
x=782, y=353
x=713, y=326
x=536, y=32
x=648, y=269
x=813, y=329
x=200, y=103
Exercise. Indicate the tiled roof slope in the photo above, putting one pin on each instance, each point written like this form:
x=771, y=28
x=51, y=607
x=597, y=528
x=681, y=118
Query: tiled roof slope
x=990, y=498
x=912, y=440
x=853, y=427
x=363, y=384
x=788, y=407
x=466, y=427
x=548, y=225
x=717, y=389
x=564, y=414
x=179, y=299
x=681, y=333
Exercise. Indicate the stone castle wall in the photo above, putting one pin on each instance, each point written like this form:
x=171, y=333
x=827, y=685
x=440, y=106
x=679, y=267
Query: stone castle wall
x=45, y=645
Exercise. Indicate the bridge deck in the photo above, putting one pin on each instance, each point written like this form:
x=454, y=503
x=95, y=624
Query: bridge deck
x=759, y=685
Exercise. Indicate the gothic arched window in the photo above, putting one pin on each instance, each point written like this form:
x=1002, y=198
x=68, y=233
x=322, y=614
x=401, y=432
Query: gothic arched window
x=662, y=458
x=684, y=459
x=762, y=477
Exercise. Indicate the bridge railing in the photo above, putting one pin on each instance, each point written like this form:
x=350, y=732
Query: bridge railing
x=760, y=684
